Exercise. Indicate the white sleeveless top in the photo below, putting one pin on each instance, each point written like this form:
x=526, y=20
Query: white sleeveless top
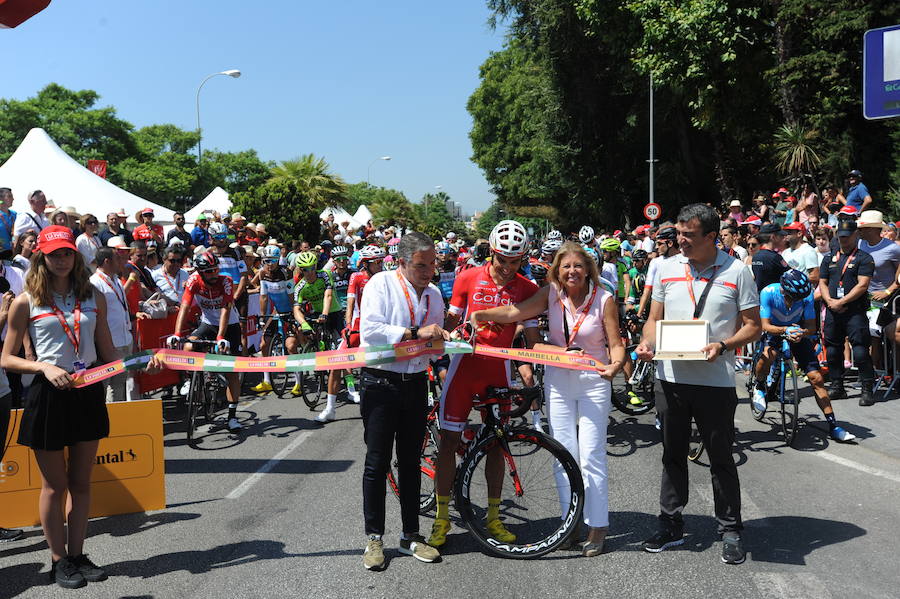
x=51, y=344
x=591, y=336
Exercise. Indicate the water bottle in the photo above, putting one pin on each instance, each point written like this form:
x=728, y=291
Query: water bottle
x=634, y=356
x=351, y=383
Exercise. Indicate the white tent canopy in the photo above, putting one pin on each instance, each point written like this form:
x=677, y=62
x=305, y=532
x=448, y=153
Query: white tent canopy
x=341, y=215
x=363, y=215
x=217, y=201
x=38, y=163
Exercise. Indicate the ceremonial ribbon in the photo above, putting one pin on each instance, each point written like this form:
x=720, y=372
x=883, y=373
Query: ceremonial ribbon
x=340, y=359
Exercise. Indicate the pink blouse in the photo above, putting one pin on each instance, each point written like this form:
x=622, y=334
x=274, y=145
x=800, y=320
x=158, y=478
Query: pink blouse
x=591, y=335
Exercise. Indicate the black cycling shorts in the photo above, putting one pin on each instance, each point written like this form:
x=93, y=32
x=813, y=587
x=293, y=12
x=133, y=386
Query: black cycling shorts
x=289, y=325
x=208, y=332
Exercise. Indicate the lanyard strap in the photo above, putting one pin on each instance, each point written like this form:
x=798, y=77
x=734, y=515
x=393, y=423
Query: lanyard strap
x=847, y=263
x=169, y=279
x=570, y=339
x=74, y=336
x=698, y=305
x=409, y=303
x=115, y=286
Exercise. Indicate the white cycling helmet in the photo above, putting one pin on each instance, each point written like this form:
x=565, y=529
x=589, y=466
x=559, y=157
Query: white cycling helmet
x=218, y=229
x=551, y=246
x=509, y=238
x=371, y=252
x=451, y=236
x=272, y=252
x=554, y=234
x=586, y=234
x=339, y=251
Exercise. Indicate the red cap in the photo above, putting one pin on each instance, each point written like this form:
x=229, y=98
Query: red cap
x=776, y=195
x=753, y=220
x=55, y=237
x=617, y=231
x=791, y=199
x=783, y=190
x=146, y=210
x=848, y=210
x=794, y=226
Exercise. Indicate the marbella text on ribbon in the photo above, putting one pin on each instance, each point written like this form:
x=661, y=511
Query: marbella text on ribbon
x=339, y=359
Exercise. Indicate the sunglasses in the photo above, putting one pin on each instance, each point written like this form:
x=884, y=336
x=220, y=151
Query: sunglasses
x=308, y=269
x=92, y=222
x=209, y=271
x=271, y=261
x=178, y=260
x=752, y=245
x=220, y=237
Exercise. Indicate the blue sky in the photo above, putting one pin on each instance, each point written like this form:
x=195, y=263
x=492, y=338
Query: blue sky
x=347, y=80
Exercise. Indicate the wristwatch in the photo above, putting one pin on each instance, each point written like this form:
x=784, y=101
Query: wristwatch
x=413, y=332
x=724, y=347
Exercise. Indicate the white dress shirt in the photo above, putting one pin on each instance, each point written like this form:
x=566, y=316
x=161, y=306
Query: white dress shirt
x=117, y=316
x=385, y=315
x=29, y=221
x=169, y=286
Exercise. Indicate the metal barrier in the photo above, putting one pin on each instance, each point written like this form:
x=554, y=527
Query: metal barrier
x=888, y=374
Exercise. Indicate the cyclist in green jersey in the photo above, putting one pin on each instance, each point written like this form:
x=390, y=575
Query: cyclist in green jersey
x=638, y=274
x=611, y=253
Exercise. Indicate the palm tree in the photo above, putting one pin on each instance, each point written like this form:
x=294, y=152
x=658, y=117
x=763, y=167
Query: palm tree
x=312, y=178
x=794, y=150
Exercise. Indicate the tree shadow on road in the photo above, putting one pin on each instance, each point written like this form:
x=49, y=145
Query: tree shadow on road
x=201, y=561
x=17, y=579
x=789, y=539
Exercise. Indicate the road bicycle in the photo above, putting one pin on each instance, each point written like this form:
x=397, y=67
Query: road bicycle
x=543, y=499
x=428, y=459
x=284, y=322
x=206, y=392
x=643, y=377
x=777, y=388
x=313, y=385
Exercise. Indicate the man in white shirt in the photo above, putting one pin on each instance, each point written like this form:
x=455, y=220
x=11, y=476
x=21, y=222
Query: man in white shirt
x=398, y=305
x=170, y=278
x=32, y=219
x=799, y=254
x=106, y=280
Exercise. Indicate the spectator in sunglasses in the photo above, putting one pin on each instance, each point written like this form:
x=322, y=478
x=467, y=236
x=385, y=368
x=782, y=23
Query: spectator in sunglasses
x=171, y=278
x=88, y=242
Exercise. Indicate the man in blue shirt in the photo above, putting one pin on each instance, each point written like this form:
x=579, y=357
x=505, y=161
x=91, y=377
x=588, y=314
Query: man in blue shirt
x=7, y=219
x=787, y=309
x=858, y=196
x=200, y=232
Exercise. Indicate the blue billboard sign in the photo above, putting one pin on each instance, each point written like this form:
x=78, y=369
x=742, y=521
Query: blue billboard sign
x=881, y=73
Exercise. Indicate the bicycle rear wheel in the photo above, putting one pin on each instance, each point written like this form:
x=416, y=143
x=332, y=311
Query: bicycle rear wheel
x=427, y=462
x=541, y=505
x=644, y=388
x=790, y=403
x=696, y=446
x=279, y=379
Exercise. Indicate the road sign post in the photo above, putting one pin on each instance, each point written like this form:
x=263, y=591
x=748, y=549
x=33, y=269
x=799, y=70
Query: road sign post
x=881, y=73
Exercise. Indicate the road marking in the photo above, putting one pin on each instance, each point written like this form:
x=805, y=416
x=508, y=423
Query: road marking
x=267, y=467
x=857, y=466
x=790, y=586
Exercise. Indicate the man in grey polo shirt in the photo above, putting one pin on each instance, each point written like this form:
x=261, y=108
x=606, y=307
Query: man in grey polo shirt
x=707, y=284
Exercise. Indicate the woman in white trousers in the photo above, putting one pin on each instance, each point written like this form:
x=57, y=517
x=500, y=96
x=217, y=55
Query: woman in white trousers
x=582, y=318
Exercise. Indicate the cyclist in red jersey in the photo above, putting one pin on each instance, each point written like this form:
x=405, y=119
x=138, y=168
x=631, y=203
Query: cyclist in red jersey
x=214, y=295
x=497, y=283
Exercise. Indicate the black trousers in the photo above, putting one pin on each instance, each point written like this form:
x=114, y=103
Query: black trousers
x=392, y=409
x=713, y=410
x=5, y=407
x=853, y=326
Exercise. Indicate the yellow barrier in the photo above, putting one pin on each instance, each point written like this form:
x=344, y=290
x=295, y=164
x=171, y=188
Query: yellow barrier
x=129, y=475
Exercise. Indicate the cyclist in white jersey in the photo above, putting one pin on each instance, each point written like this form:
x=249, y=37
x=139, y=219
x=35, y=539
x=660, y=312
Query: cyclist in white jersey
x=276, y=292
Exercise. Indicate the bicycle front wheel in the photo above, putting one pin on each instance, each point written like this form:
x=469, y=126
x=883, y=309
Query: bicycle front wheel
x=790, y=403
x=541, y=502
x=427, y=461
x=195, y=401
x=279, y=379
x=312, y=384
x=696, y=447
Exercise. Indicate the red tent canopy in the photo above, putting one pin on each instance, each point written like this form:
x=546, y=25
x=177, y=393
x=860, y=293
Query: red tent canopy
x=16, y=12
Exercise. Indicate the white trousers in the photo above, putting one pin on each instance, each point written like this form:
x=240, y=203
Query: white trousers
x=120, y=387
x=578, y=404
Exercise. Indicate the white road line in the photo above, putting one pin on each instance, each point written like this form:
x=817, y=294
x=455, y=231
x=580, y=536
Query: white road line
x=857, y=466
x=267, y=467
x=790, y=586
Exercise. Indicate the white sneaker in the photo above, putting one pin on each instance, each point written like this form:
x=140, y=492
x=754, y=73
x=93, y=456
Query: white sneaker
x=185, y=388
x=759, y=400
x=354, y=396
x=234, y=425
x=326, y=415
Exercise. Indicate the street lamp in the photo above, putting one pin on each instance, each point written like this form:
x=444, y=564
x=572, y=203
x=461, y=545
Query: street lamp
x=369, y=172
x=231, y=73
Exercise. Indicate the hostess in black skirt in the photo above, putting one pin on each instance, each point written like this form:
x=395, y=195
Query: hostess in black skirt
x=54, y=419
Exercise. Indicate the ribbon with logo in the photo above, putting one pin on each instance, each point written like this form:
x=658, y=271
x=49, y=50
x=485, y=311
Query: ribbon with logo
x=329, y=360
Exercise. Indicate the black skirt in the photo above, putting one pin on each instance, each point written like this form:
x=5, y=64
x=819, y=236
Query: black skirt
x=54, y=419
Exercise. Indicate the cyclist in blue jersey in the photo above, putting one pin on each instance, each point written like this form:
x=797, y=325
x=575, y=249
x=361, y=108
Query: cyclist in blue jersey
x=445, y=273
x=276, y=296
x=787, y=308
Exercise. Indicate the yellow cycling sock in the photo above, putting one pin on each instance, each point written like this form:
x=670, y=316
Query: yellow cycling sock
x=493, y=512
x=443, y=507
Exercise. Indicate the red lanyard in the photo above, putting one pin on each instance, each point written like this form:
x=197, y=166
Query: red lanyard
x=409, y=303
x=584, y=313
x=690, y=286
x=115, y=289
x=846, y=264
x=74, y=337
x=169, y=279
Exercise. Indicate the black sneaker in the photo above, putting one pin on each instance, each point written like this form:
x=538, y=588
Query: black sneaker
x=9, y=534
x=663, y=539
x=733, y=549
x=65, y=573
x=91, y=571
x=837, y=392
x=866, y=398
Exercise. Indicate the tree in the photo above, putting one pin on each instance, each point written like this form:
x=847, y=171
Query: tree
x=312, y=177
x=286, y=209
x=795, y=150
x=391, y=207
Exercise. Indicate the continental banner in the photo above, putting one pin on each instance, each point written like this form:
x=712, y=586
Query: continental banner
x=128, y=476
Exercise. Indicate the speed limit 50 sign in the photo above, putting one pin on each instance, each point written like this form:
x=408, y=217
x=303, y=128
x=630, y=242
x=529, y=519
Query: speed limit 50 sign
x=652, y=211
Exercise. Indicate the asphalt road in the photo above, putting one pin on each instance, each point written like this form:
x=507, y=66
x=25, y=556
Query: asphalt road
x=276, y=512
